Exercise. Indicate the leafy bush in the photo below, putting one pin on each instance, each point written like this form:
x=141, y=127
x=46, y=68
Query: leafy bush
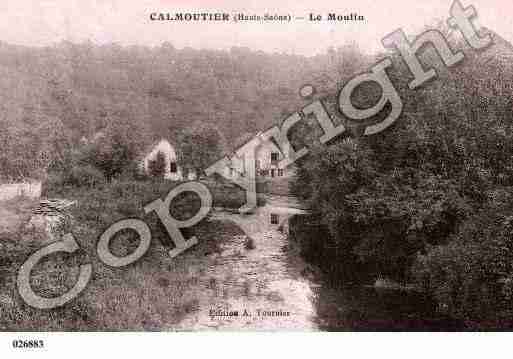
x=471, y=276
x=78, y=176
x=249, y=244
x=85, y=176
x=157, y=166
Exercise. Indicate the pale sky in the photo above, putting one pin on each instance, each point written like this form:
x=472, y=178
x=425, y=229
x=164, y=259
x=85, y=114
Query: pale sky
x=45, y=22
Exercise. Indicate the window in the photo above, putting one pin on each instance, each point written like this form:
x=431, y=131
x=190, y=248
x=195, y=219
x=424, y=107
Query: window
x=172, y=167
x=272, y=172
x=280, y=172
x=275, y=219
x=274, y=156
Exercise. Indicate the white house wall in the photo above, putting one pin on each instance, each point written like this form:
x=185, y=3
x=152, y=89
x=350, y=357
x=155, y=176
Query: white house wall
x=236, y=168
x=262, y=162
x=170, y=154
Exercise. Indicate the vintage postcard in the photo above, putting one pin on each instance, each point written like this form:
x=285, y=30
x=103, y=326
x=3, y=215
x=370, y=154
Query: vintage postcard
x=255, y=166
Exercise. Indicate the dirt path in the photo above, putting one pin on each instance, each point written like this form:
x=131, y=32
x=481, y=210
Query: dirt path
x=261, y=288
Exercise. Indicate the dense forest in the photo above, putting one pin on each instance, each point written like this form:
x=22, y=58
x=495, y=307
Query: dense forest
x=54, y=96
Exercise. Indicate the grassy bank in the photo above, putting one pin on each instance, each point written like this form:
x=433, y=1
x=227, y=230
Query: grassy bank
x=154, y=293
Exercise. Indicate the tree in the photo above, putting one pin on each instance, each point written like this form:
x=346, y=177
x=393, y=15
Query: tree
x=157, y=166
x=30, y=146
x=200, y=146
x=116, y=148
x=429, y=199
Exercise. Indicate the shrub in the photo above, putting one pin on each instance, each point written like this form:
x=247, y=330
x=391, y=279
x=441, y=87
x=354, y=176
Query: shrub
x=86, y=175
x=200, y=145
x=157, y=166
x=249, y=244
x=471, y=276
x=78, y=176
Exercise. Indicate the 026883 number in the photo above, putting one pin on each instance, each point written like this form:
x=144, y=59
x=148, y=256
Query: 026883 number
x=28, y=344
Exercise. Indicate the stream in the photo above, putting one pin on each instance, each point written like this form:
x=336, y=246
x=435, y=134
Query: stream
x=270, y=287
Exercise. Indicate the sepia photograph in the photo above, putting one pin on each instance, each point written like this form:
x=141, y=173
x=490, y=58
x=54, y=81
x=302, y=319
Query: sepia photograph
x=238, y=166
